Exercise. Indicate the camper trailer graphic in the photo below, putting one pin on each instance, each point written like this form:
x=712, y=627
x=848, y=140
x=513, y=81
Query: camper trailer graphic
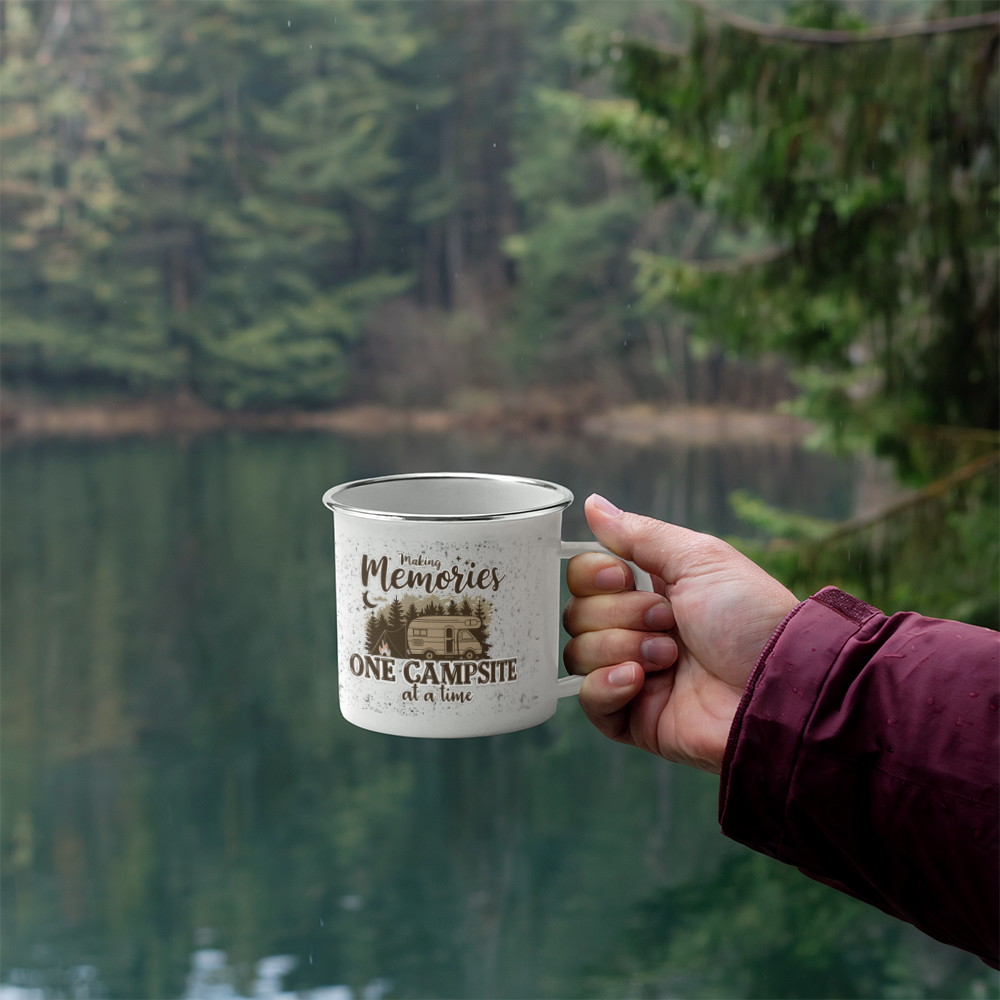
x=425, y=628
x=439, y=637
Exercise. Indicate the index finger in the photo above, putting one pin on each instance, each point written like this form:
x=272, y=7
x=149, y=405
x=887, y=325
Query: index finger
x=594, y=573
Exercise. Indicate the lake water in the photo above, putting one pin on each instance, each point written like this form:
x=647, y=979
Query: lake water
x=186, y=814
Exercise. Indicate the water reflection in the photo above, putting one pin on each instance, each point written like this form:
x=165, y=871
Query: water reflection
x=80, y=982
x=212, y=978
x=174, y=758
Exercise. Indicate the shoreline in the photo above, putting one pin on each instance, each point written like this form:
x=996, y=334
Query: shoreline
x=25, y=421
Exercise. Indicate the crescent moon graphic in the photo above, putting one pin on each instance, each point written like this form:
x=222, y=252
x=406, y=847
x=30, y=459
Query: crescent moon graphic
x=364, y=597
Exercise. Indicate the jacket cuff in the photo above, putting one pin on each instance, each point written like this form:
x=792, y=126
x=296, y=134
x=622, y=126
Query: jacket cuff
x=767, y=731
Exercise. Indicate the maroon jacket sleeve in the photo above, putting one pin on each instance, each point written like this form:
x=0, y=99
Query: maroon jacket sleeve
x=865, y=751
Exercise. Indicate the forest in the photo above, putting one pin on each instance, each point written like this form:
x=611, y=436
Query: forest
x=286, y=205
x=271, y=205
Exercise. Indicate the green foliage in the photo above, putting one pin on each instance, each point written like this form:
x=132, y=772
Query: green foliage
x=188, y=192
x=78, y=294
x=582, y=212
x=775, y=522
x=585, y=214
x=936, y=552
x=871, y=171
x=761, y=929
x=215, y=197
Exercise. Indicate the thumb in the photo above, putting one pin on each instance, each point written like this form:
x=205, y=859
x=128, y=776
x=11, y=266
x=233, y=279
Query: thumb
x=655, y=546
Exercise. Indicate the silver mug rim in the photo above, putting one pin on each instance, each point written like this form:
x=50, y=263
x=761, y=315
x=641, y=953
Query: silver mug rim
x=332, y=498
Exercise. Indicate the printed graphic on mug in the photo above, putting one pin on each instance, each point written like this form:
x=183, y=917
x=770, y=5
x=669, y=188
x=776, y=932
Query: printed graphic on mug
x=429, y=627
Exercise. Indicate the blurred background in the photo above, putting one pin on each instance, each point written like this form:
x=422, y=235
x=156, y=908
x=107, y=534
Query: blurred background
x=731, y=264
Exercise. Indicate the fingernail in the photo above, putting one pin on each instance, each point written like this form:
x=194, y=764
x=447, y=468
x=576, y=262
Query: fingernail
x=659, y=649
x=660, y=617
x=610, y=578
x=606, y=506
x=622, y=676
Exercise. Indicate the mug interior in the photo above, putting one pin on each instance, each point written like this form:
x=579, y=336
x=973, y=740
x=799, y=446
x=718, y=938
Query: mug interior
x=448, y=496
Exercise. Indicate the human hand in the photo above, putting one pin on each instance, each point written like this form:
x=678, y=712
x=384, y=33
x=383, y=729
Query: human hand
x=666, y=671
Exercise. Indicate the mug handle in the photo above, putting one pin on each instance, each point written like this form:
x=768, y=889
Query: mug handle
x=566, y=687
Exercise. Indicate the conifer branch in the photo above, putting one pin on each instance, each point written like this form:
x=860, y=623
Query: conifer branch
x=932, y=491
x=819, y=36
x=724, y=265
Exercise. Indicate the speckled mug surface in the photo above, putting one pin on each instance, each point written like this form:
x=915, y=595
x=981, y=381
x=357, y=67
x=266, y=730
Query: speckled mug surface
x=448, y=602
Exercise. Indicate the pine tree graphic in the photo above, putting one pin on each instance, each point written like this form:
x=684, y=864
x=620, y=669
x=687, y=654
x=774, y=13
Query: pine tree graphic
x=395, y=615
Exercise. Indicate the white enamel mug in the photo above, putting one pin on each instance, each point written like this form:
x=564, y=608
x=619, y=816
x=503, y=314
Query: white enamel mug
x=448, y=602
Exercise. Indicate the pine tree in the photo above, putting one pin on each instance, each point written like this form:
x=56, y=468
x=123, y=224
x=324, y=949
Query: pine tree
x=481, y=609
x=394, y=620
x=482, y=633
x=857, y=182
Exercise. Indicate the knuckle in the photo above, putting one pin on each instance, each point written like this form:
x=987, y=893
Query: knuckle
x=609, y=646
x=715, y=548
x=570, y=659
x=571, y=616
x=648, y=531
